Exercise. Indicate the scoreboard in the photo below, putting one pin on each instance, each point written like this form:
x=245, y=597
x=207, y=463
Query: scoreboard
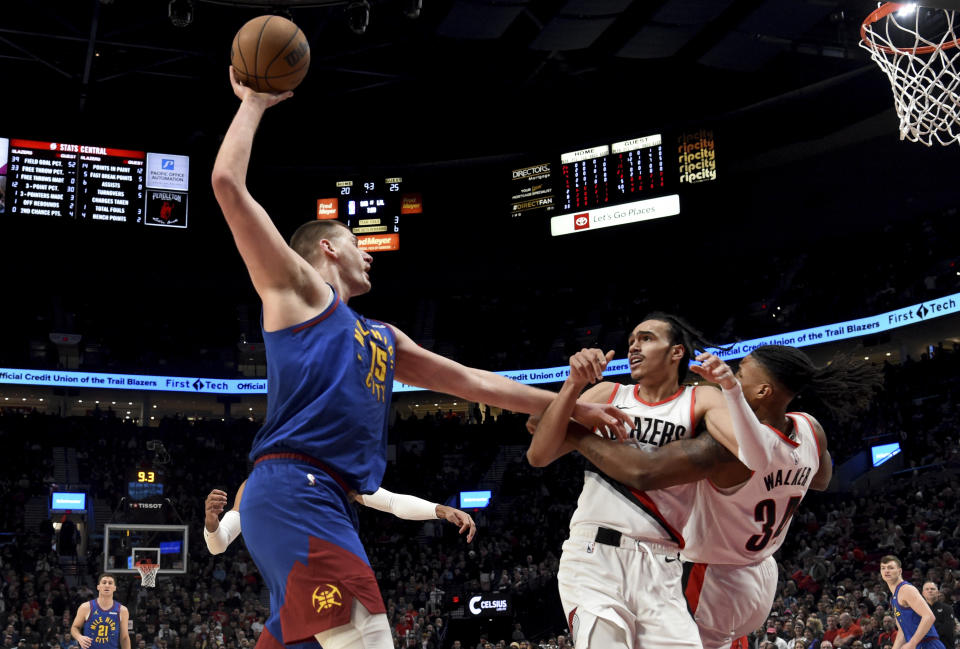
x=372, y=208
x=96, y=183
x=617, y=183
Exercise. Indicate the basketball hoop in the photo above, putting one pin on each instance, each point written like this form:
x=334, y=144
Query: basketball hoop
x=148, y=573
x=917, y=48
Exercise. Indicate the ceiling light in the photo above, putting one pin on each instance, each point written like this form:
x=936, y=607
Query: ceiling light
x=357, y=14
x=180, y=12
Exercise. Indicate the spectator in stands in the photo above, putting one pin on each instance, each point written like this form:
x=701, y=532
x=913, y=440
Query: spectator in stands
x=945, y=623
x=889, y=634
x=848, y=631
x=831, y=631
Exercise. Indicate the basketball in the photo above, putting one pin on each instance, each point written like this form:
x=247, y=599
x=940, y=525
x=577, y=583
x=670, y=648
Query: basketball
x=270, y=54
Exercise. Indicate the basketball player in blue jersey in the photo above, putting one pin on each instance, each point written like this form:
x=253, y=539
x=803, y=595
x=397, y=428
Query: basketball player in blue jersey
x=330, y=374
x=912, y=613
x=220, y=533
x=101, y=623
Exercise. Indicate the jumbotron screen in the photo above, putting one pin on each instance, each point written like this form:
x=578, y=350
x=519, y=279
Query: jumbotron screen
x=87, y=182
x=614, y=184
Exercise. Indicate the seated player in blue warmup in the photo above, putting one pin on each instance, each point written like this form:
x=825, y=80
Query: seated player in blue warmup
x=101, y=623
x=330, y=374
x=912, y=613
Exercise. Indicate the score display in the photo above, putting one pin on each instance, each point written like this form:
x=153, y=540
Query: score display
x=94, y=183
x=615, y=184
x=371, y=209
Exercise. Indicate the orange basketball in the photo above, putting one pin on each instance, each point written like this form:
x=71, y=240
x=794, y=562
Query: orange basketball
x=270, y=54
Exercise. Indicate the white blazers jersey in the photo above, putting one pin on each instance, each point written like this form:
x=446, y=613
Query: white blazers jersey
x=657, y=516
x=745, y=524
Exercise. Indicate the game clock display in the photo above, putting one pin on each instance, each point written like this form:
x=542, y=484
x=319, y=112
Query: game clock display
x=145, y=482
x=96, y=183
x=372, y=209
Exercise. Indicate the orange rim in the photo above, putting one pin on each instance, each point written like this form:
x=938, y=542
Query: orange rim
x=882, y=12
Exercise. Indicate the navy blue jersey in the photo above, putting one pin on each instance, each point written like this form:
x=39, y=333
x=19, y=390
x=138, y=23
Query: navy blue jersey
x=330, y=380
x=103, y=626
x=908, y=618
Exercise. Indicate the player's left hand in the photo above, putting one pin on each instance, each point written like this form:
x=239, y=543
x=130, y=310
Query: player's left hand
x=213, y=506
x=461, y=519
x=713, y=369
x=604, y=415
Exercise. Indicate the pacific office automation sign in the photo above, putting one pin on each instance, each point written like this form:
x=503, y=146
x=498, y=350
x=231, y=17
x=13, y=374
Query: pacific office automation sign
x=490, y=605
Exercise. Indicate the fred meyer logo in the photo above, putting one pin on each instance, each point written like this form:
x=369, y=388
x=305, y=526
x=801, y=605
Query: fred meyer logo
x=327, y=208
x=606, y=217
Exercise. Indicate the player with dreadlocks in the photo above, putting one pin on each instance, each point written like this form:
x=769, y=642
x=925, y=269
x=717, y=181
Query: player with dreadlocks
x=746, y=495
x=620, y=572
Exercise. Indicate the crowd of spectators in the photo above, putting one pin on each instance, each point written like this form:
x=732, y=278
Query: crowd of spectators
x=828, y=565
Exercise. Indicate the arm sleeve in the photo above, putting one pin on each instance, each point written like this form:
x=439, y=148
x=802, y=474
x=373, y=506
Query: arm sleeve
x=410, y=508
x=228, y=530
x=753, y=438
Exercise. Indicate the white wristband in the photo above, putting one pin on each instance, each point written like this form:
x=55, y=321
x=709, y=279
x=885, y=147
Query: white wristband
x=225, y=534
x=403, y=506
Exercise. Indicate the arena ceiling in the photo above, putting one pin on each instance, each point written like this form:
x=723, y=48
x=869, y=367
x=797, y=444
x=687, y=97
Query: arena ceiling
x=445, y=79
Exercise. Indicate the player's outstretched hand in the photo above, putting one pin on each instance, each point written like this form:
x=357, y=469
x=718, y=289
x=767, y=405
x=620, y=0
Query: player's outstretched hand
x=85, y=642
x=604, y=416
x=714, y=370
x=243, y=92
x=214, y=505
x=587, y=366
x=461, y=519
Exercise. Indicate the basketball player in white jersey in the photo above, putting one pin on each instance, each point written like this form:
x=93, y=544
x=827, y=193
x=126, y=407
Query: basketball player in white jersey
x=620, y=571
x=744, y=502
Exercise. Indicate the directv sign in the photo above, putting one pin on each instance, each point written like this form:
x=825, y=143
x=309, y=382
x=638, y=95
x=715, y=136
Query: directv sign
x=490, y=605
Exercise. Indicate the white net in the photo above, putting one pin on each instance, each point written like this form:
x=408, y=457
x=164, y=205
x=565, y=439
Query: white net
x=148, y=574
x=917, y=48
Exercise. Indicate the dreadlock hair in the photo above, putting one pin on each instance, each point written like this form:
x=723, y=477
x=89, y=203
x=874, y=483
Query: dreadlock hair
x=843, y=386
x=683, y=333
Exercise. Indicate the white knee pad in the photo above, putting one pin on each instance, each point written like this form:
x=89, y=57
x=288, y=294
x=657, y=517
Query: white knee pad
x=365, y=631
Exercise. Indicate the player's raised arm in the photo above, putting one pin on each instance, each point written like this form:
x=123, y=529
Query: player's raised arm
x=549, y=436
x=421, y=367
x=220, y=533
x=275, y=269
x=751, y=441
